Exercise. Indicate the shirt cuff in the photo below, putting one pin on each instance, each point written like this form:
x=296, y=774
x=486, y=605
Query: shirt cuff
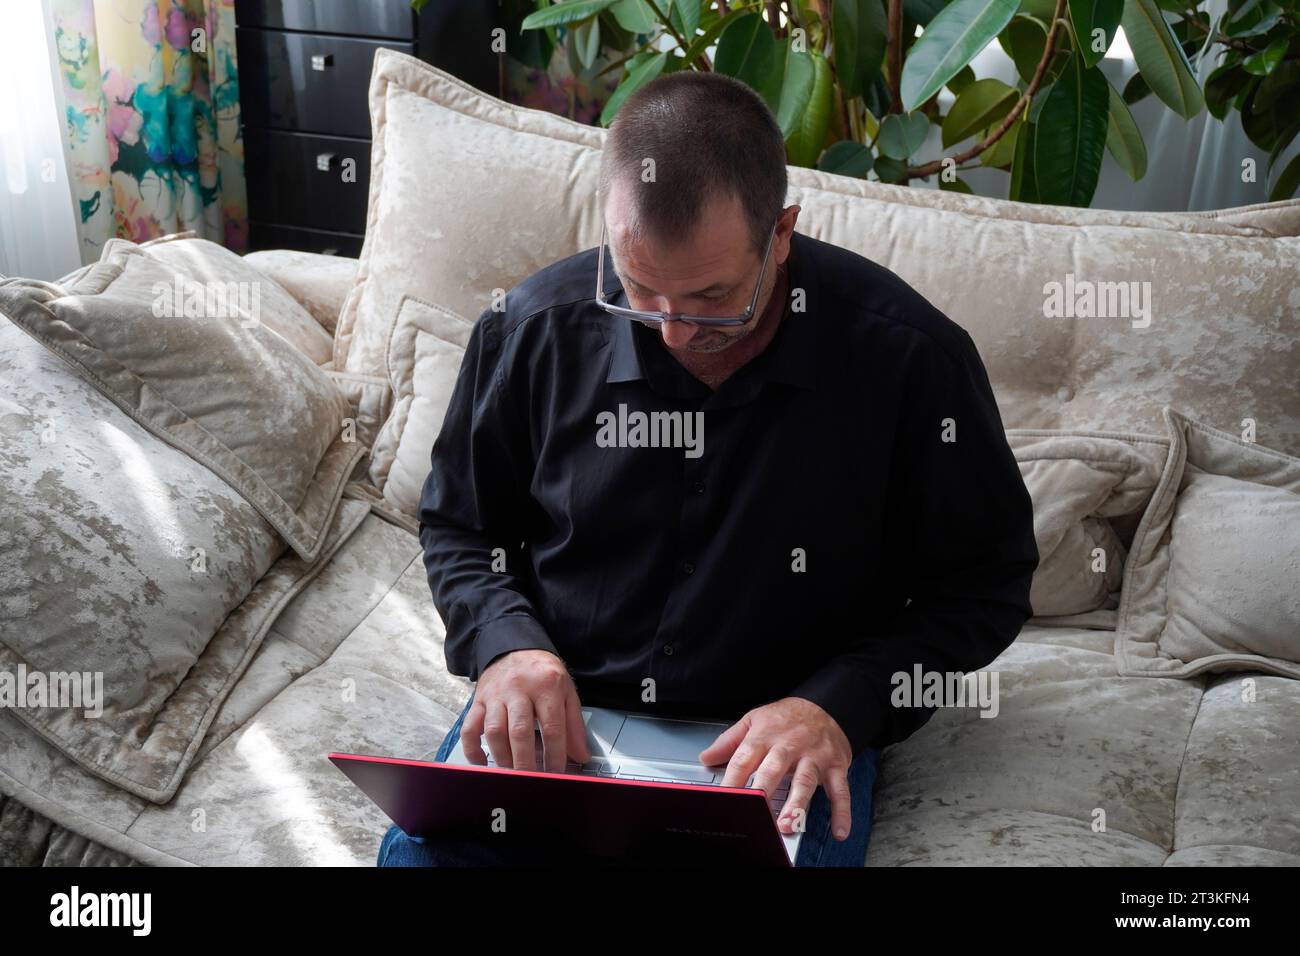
x=513, y=632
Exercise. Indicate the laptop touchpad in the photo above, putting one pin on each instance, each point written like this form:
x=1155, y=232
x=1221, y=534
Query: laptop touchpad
x=659, y=738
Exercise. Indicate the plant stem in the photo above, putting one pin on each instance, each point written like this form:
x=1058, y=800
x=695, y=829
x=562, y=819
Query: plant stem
x=895, y=55
x=1049, y=50
x=668, y=23
x=833, y=59
x=774, y=16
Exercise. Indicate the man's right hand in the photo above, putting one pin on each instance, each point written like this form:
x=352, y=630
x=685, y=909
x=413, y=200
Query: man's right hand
x=515, y=692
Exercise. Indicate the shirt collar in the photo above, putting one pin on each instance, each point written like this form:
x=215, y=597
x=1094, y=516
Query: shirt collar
x=791, y=356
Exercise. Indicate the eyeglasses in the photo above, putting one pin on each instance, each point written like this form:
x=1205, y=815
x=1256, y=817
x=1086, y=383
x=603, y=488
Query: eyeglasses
x=655, y=318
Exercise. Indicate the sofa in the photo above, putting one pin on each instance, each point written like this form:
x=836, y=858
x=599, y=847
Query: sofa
x=215, y=508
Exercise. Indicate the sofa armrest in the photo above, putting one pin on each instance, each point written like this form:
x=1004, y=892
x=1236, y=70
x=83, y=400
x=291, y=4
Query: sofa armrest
x=319, y=282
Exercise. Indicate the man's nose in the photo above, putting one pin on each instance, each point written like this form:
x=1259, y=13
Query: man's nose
x=677, y=334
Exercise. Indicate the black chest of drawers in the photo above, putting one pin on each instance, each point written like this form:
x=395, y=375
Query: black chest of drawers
x=304, y=77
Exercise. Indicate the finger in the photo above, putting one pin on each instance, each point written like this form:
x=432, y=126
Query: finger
x=550, y=707
x=772, y=770
x=836, y=786
x=495, y=731
x=803, y=784
x=521, y=722
x=720, y=751
x=748, y=755
x=577, y=729
x=471, y=733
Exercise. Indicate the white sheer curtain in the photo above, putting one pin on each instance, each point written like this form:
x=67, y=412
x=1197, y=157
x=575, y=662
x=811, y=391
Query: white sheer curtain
x=38, y=233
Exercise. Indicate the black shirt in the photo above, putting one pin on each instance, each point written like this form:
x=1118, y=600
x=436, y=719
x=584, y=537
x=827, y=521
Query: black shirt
x=821, y=538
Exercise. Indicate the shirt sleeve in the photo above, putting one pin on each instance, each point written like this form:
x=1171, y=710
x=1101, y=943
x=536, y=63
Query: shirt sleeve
x=474, y=502
x=962, y=549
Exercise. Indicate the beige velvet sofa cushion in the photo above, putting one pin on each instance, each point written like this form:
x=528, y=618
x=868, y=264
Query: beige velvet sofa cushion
x=207, y=261
x=425, y=352
x=320, y=283
x=371, y=402
x=227, y=390
x=470, y=195
x=1078, y=481
x=1213, y=581
x=124, y=560
x=282, y=309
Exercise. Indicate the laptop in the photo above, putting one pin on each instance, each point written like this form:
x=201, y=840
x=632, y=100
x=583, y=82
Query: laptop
x=642, y=797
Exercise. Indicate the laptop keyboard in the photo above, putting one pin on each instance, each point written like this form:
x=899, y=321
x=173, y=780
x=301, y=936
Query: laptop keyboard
x=638, y=770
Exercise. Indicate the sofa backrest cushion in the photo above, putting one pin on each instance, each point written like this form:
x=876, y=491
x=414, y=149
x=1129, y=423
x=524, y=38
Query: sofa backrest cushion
x=1085, y=319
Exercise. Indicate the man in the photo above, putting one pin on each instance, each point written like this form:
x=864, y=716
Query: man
x=824, y=495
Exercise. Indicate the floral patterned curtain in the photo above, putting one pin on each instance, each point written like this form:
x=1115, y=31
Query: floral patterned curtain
x=152, y=95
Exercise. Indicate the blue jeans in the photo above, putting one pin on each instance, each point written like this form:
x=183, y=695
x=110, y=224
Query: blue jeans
x=817, y=848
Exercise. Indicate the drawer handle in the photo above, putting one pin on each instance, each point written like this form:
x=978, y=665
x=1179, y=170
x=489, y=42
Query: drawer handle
x=324, y=161
x=322, y=61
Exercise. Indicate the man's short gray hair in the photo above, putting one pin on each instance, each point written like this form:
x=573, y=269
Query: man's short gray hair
x=709, y=136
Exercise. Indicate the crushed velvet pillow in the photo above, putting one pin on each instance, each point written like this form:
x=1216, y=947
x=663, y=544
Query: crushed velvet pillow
x=206, y=261
x=1079, y=481
x=1213, y=579
x=189, y=359
x=135, y=584
x=425, y=352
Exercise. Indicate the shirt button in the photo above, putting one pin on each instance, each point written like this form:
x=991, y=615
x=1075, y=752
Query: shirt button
x=668, y=649
x=698, y=487
x=688, y=567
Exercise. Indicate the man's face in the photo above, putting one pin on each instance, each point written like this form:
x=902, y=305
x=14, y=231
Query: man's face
x=712, y=272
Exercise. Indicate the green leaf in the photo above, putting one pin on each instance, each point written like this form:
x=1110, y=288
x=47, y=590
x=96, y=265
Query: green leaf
x=890, y=170
x=1281, y=84
x=748, y=51
x=1023, y=186
x=1123, y=139
x=1095, y=23
x=1252, y=19
x=686, y=17
x=1283, y=142
x=1136, y=89
x=563, y=13
x=1042, y=9
x=981, y=104
x=1071, y=136
x=1023, y=40
x=846, y=158
x=859, y=30
x=586, y=41
x=922, y=11
x=705, y=40
x=958, y=185
x=635, y=79
x=1003, y=152
x=964, y=78
x=1160, y=58
x=1285, y=186
x=634, y=16
x=901, y=136
x=953, y=38
x=1266, y=60
x=804, y=110
x=1269, y=107
x=1221, y=86
x=1036, y=105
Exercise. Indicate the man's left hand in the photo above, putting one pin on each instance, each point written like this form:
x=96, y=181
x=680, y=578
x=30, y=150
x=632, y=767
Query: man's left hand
x=790, y=732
